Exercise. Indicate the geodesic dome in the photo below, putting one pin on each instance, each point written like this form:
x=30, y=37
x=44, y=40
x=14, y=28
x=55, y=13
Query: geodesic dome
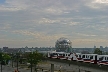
x=63, y=44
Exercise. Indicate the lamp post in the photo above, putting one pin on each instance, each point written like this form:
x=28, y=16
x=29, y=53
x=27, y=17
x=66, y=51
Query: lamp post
x=31, y=64
x=1, y=61
x=12, y=58
x=31, y=60
x=17, y=61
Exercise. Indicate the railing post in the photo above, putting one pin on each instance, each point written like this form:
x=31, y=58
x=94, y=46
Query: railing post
x=79, y=69
x=52, y=67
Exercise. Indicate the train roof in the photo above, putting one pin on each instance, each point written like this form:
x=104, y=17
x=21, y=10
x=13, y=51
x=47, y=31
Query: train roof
x=56, y=52
x=103, y=55
x=89, y=54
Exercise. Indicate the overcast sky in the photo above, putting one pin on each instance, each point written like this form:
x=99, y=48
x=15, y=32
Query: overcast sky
x=39, y=23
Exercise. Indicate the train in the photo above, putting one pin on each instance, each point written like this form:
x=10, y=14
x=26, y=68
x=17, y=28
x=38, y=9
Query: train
x=86, y=58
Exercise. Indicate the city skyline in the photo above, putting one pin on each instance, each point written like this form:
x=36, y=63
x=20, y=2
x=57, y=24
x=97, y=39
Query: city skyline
x=40, y=23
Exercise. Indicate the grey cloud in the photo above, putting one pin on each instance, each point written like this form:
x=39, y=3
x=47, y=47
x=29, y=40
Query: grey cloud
x=53, y=17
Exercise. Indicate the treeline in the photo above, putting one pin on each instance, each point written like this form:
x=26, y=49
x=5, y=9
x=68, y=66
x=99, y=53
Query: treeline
x=33, y=58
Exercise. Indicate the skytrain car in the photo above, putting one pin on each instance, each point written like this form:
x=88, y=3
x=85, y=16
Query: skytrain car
x=52, y=54
x=94, y=58
x=56, y=55
x=70, y=58
x=60, y=55
x=103, y=60
x=74, y=56
x=87, y=58
x=65, y=56
x=79, y=57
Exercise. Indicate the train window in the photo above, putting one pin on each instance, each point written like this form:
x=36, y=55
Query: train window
x=80, y=56
x=107, y=58
x=60, y=54
x=63, y=54
x=76, y=55
x=68, y=54
x=51, y=54
x=83, y=56
x=101, y=58
x=54, y=53
x=91, y=57
x=86, y=56
x=95, y=57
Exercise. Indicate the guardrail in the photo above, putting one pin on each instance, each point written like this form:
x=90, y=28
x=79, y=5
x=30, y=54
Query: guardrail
x=95, y=66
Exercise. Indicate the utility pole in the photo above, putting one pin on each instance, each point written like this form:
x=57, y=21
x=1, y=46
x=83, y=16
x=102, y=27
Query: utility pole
x=17, y=62
x=1, y=65
x=31, y=64
x=1, y=61
x=31, y=59
x=12, y=59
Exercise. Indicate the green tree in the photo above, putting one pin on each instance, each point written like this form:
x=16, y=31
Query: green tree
x=105, y=53
x=1, y=56
x=97, y=51
x=4, y=58
x=35, y=58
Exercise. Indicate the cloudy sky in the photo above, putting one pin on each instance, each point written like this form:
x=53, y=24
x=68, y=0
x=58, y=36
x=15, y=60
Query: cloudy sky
x=39, y=23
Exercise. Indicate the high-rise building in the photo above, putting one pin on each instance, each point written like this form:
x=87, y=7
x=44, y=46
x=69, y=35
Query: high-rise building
x=106, y=48
x=101, y=48
x=94, y=46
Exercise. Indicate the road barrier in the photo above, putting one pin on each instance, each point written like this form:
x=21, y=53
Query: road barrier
x=95, y=66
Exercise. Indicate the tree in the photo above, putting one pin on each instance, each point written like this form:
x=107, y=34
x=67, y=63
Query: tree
x=97, y=51
x=4, y=58
x=105, y=53
x=34, y=58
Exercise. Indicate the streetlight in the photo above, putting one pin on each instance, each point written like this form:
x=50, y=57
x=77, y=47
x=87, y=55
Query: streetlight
x=31, y=64
x=31, y=59
x=1, y=60
x=12, y=58
x=17, y=60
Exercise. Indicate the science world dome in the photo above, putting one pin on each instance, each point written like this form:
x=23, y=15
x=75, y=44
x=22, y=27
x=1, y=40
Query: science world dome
x=63, y=45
